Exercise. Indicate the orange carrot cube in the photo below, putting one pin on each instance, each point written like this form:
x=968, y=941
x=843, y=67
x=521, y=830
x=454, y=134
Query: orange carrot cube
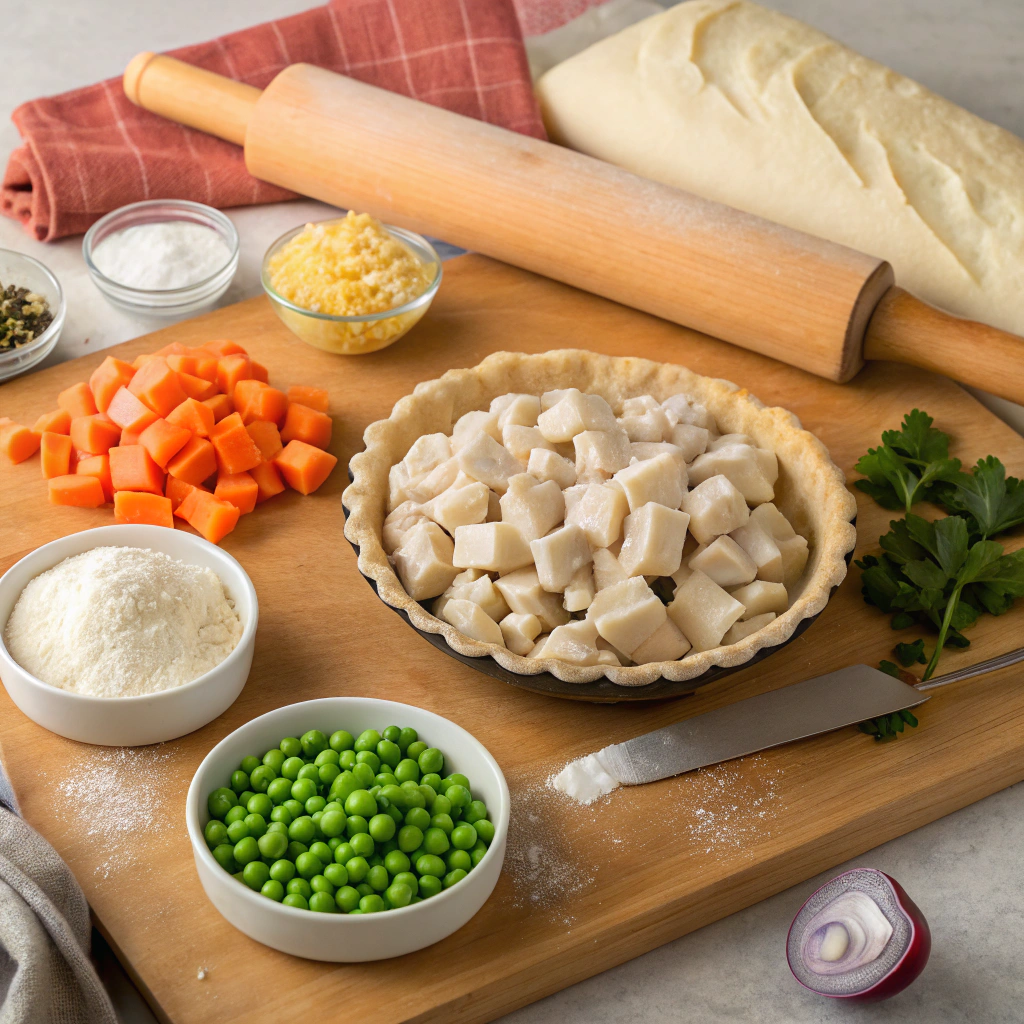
x=238, y=488
x=163, y=441
x=139, y=361
x=133, y=469
x=221, y=405
x=18, y=442
x=223, y=348
x=259, y=371
x=267, y=438
x=57, y=422
x=129, y=412
x=77, y=400
x=79, y=491
x=143, y=507
x=178, y=491
x=196, y=364
x=174, y=349
x=254, y=400
x=196, y=387
x=96, y=434
x=268, y=481
x=55, y=454
x=193, y=416
x=110, y=375
x=304, y=467
x=99, y=467
x=304, y=424
x=213, y=518
x=196, y=462
x=236, y=450
x=158, y=386
x=232, y=369
x=312, y=398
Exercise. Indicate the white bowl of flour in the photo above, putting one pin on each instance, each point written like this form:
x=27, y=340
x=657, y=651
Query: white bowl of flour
x=126, y=635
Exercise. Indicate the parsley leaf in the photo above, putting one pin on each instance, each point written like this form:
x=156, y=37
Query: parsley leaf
x=994, y=501
x=911, y=654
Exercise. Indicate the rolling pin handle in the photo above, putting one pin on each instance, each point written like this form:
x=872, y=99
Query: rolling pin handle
x=190, y=95
x=903, y=329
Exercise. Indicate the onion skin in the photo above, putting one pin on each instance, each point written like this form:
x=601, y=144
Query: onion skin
x=905, y=970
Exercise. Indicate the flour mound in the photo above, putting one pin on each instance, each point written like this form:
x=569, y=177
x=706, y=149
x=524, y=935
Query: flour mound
x=119, y=622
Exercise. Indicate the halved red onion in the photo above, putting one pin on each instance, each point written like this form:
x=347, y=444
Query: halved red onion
x=858, y=937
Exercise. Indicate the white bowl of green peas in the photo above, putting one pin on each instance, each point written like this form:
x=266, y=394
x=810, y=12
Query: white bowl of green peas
x=290, y=851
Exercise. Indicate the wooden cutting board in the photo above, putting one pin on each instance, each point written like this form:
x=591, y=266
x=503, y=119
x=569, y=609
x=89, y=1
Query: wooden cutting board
x=583, y=888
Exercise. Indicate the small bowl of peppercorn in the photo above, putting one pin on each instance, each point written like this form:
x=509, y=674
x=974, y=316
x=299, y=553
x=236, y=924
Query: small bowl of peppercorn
x=31, y=312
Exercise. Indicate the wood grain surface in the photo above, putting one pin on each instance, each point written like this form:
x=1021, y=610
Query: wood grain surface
x=583, y=888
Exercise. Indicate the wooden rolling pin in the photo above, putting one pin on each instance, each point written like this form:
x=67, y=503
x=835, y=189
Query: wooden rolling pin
x=811, y=303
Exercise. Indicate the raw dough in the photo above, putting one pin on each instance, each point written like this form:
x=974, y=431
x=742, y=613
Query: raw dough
x=751, y=108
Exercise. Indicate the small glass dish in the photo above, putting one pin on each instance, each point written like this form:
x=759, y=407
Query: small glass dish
x=163, y=302
x=355, y=335
x=18, y=269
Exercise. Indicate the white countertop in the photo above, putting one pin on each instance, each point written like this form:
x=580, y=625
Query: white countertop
x=962, y=870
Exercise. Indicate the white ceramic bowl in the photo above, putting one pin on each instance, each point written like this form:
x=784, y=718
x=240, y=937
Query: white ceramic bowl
x=337, y=937
x=152, y=717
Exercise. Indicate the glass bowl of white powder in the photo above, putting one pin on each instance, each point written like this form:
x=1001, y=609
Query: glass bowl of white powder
x=126, y=635
x=162, y=257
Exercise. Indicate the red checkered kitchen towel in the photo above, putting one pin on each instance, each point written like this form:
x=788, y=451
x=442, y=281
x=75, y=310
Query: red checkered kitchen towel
x=89, y=151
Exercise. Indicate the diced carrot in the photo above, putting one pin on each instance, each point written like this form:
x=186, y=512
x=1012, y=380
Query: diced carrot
x=196, y=387
x=196, y=363
x=178, y=491
x=213, y=518
x=133, y=469
x=158, y=386
x=236, y=450
x=223, y=347
x=188, y=504
x=110, y=375
x=312, y=398
x=304, y=424
x=130, y=437
x=54, y=454
x=139, y=361
x=18, y=442
x=99, y=467
x=129, y=412
x=56, y=422
x=196, y=461
x=77, y=400
x=96, y=434
x=255, y=401
x=163, y=441
x=174, y=349
x=80, y=491
x=304, y=467
x=268, y=481
x=267, y=438
x=238, y=488
x=193, y=416
x=143, y=507
x=221, y=405
x=259, y=371
x=77, y=456
x=232, y=369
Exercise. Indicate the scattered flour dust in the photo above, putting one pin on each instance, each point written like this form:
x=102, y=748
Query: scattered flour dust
x=585, y=779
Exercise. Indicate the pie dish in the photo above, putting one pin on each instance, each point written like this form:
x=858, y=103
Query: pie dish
x=809, y=492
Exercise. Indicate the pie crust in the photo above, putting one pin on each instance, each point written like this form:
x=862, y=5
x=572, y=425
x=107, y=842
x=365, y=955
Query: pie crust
x=811, y=491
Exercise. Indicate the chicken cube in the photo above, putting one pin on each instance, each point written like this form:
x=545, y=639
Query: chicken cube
x=558, y=555
x=725, y=562
x=759, y=544
x=599, y=514
x=627, y=613
x=525, y=596
x=574, y=642
x=607, y=569
x=439, y=479
x=427, y=451
x=666, y=643
x=657, y=479
x=490, y=463
x=471, y=619
x=573, y=413
x=399, y=522
x=740, y=464
x=760, y=597
x=424, y=561
x=683, y=409
x=653, y=544
x=580, y=591
x=691, y=440
x=739, y=630
x=519, y=410
x=547, y=465
x=476, y=422
x=459, y=506
x=495, y=547
x=520, y=632
x=703, y=611
x=600, y=453
x=520, y=441
x=532, y=508
x=715, y=507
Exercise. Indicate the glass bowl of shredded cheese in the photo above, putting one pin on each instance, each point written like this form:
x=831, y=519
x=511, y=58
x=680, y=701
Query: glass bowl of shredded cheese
x=350, y=285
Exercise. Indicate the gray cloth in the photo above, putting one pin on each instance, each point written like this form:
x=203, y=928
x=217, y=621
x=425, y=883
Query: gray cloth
x=46, y=976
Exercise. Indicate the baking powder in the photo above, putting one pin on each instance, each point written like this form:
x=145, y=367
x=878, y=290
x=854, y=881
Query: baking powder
x=161, y=255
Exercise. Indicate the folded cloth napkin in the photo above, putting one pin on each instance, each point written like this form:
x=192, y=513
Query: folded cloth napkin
x=46, y=976
x=89, y=151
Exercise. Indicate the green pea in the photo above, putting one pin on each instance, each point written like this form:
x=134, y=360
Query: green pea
x=367, y=740
x=313, y=742
x=365, y=889
x=320, y=883
x=302, y=830
x=245, y=796
x=371, y=904
x=430, y=760
x=409, y=838
x=368, y=757
x=346, y=759
x=412, y=797
x=343, y=786
x=356, y=825
x=382, y=827
x=224, y=855
x=416, y=854
x=393, y=795
x=336, y=874
x=310, y=772
x=396, y=862
x=358, y=868
x=256, y=824
x=315, y=817
x=237, y=813
x=397, y=895
x=361, y=803
x=459, y=796
x=302, y=790
x=341, y=740
x=255, y=874
x=290, y=746
x=322, y=902
x=346, y=898
x=291, y=768
x=376, y=861
x=220, y=801
x=281, y=814
x=418, y=817
x=308, y=864
x=431, y=779
x=249, y=763
x=314, y=804
x=442, y=805
x=239, y=781
x=406, y=878
x=333, y=805
x=407, y=770
x=237, y=831
x=295, y=807
x=477, y=853
x=328, y=773
x=485, y=830
x=378, y=877
x=430, y=885
x=430, y=864
x=391, y=733
x=459, y=859
x=383, y=779
x=343, y=853
x=260, y=803
x=389, y=753
x=323, y=851
x=279, y=791
x=476, y=810
x=454, y=876
x=282, y=871
x=262, y=777
x=278, y=826
x=435, y=840
x=327, y=756
x=273, y=890
x=444, y=823
x=362, y=845
x=406, y=737
x=295, y=848
x=415, y=749
x=332, y=823
x=215, y=833
x=457, y=779
x=464, y=837
x=299, y=886
x=274, y=759
x=293, y=899
x=246, y=850
x=333, y=843
x=429, y=795
x=395, y=813
x=364, y=774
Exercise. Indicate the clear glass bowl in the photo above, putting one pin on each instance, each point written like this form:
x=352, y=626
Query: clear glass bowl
x=355, y=335
x=163, y=302
x=19, y=269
